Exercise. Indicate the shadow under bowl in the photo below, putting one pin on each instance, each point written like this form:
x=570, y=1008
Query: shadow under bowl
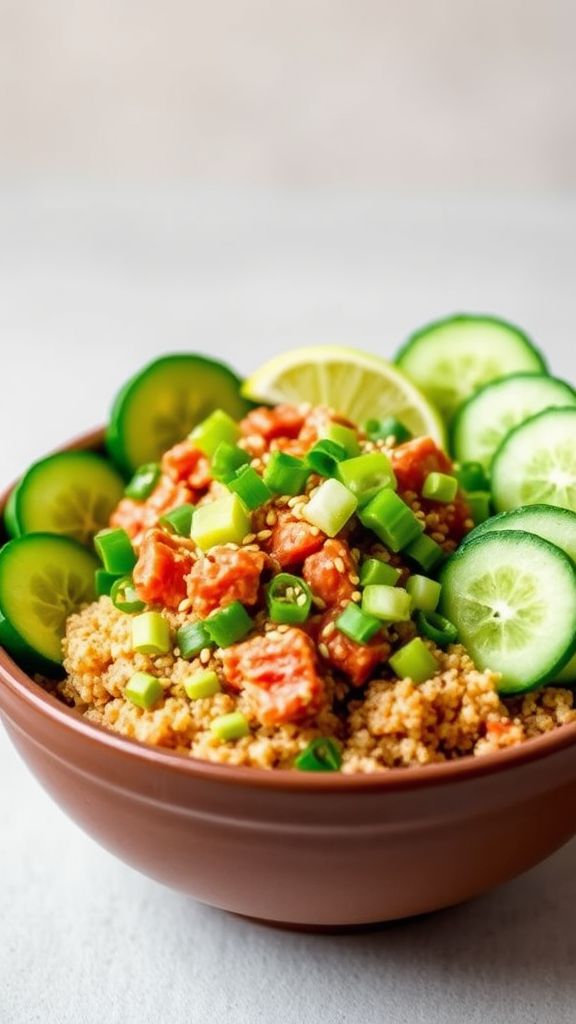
x=296, y=848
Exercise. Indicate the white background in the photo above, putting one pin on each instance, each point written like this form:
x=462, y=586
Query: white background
x=93, y=283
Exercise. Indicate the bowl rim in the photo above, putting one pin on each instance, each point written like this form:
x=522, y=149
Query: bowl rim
x=26, y=690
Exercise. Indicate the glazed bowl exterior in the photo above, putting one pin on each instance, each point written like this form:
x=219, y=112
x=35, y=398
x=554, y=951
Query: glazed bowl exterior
x=299, y=848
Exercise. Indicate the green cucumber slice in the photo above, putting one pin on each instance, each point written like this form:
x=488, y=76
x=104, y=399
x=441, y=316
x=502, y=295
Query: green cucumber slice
x=43, y=579
x=556, y=525
x=487, y=417
x=451, y=358
x=159, y=406
x=536, y=463
x=512, y=598
x=71, y=493
x=10, y=521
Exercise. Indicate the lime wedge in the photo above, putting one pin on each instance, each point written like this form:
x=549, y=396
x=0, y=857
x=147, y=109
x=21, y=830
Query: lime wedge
x=357, y=384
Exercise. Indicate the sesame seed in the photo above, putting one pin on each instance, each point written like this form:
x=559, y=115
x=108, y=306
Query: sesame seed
x=356, y=595
x=329, y=629
x=185, y=604
x=319, y=602
x=271, y=517
x=205, y=655
x=301, y=599
x=263, y=534
x=315, y=531
x=282, y=628
x=354, y=579
x=293, y=501
x=339, y=564
x=251, y=547
x=324, y=650
x=249, y=538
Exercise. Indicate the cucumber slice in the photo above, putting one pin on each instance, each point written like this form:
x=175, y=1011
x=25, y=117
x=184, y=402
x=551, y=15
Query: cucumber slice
x=450, y=359
x=43, y=579
x=512, y=598
x=160, y=405
x=71, y=493
x=536, y=463
x=556, y=525
x=487, y=417
x=10, y=521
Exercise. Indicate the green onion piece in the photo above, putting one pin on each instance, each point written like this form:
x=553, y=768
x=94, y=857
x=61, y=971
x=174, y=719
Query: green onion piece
x=391, y=520
x=192, y=638
x=425, y=593
x=286, y=474
x=480, y=505
x=435, y=627
x=324, y=457
x=226, y=460
x=388, y=429
x=367, y=475
x=178, y=520
x=472, y=477
x=202, y=684
x=230, y=727
x=143, y=482
x=425, y=552
x=331, y=507
x=224, y=521
x=414, y=661
x=124, y=596
x=374, y=570
x=288, y=598
x=344, y=436
x=250, y=487
x=217, y=427
x=104, y=581
x=143, y=690
x=228, y=625
x=321, y=755
x=388, y=603
x=440, y=487
x=356, y=624
x=115, y=550
x=150, y=634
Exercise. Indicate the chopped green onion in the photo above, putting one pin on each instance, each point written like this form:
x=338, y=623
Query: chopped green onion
x=390, y=604
x=472, y=477
x=367, y=475
x=288, y=598
x=124, y=596
x=104, y=581
x=356, y=624
x=330, y=507
x=414, y=661
x=143, y=690
x=425, y=593
x=224, y=521
x=480, y=505
x=321, y=755
x=192, y=638
x=202, y=684
x=425, y=552
x=346, y=437
x=435, y=627
x=324, y=457
x=390, y=427
x=115, y=550
x=217, y=427
x=232, y=726
x=374, y=570
x=250, y=487
x=143, y=482
x=178, y=520
x=150, y=634
x=285, y=474
x=391, y=520
x=226, y=460
x=228, y=625
x=440, y=487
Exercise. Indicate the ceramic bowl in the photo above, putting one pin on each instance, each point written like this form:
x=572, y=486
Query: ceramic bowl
x=300, y=849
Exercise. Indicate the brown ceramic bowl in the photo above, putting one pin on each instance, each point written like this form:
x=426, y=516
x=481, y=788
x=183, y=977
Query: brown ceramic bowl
x=304, y=849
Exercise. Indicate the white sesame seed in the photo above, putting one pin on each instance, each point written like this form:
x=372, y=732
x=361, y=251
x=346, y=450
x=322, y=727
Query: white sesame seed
x=324, y=650
x=205, y=655
x=339, y=564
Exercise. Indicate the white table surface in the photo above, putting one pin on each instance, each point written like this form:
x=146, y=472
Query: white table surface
x=93, y=283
